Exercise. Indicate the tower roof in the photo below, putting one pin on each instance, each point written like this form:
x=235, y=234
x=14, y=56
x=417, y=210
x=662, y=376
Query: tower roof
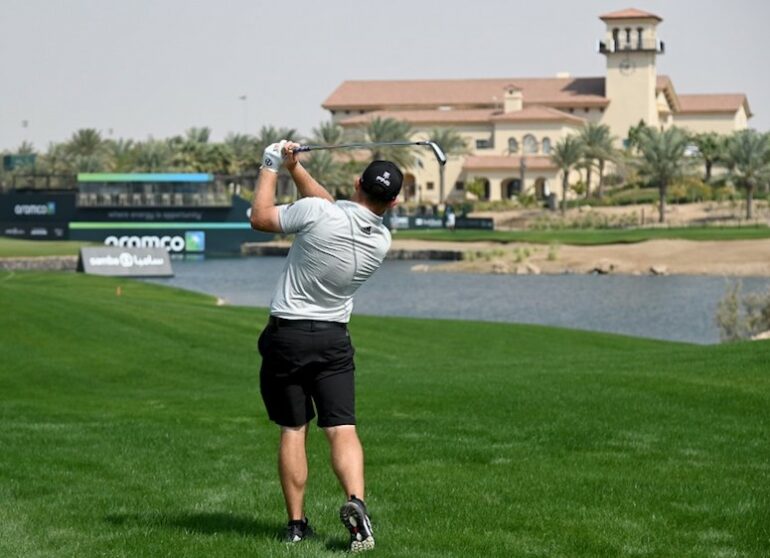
x=629, y=13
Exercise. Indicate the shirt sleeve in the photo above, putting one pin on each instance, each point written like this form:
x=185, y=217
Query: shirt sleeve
x=301, y=215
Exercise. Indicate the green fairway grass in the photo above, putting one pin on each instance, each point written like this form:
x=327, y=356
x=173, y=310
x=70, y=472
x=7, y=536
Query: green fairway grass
x=16, y=248
x=132, y=426
x=589, y=236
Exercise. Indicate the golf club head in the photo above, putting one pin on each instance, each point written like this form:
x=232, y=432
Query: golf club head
x=437, y=151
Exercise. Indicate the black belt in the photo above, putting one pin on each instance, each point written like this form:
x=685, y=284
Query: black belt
x=313, y=325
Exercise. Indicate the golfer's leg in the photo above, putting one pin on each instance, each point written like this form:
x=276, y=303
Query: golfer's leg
x=347, y=458
x=292, y=467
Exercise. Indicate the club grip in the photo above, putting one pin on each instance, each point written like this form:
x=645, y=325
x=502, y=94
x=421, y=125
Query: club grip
x=302, y=148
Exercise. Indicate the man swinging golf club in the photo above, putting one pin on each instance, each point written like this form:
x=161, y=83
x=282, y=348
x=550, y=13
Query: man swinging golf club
x=307, y=355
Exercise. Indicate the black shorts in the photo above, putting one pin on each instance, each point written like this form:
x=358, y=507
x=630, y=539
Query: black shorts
x=307, y=363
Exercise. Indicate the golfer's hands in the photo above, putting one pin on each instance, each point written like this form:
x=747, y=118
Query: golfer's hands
x=272, y=158
x=289, y=156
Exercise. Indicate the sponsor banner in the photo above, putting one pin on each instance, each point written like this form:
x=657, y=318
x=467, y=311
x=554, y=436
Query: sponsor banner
x=206, y=240
x=398, y=222
x=18, y=207
x=125, y=262
x=419, y=222
x=34, y=231
x=474, y=223
x=185, y=242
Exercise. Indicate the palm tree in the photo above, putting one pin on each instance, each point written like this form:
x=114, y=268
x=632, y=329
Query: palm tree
x=243, y=148
x=662, y=159
x=452, y=143
x=566, y=155
x=597, y=146
x=153, y=156
x=710, y=150
x=748, y=162
x=121, y=155
x=270, y=134
x=192, y=151
x=328, y=133
x=87, y=151
x=385, y=130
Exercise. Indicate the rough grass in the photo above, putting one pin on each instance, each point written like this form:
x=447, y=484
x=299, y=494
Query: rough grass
x=590, y=236
x=132, y=426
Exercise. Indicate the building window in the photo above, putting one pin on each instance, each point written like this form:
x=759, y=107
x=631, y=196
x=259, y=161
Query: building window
x=628, y=37
x=586, y=109
x=530, y=144
x=546, y=146
x=571, y=110
x=483, y=144
x=615, y=39
x=429, y=185
x=513, y=145
x=639, y=31
x=459, y=185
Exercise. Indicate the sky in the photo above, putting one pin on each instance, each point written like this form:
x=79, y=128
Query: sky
x=142, y=68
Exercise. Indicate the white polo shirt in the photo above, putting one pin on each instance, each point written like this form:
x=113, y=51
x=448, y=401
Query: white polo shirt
x=338, y=246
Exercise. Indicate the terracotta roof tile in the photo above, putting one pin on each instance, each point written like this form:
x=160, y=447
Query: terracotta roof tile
x=507, y=162
x=464, y=93
x=535, y=113
x=479, y=116
x=729, y=102
x=630, y=13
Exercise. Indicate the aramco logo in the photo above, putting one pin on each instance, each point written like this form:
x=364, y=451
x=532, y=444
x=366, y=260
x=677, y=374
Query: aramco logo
x=35, y=208
x=192, y=241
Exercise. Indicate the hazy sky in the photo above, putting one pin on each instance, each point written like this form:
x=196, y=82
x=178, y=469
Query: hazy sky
x=135, y=68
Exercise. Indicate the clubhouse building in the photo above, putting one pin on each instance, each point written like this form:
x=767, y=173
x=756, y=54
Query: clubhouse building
x=512, y=124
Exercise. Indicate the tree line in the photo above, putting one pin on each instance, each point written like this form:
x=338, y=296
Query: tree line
x=661, y=157
x=238, y=155
x=658, y=157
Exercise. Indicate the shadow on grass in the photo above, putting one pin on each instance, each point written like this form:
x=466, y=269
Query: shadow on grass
x=214, y=523
x=203, y=523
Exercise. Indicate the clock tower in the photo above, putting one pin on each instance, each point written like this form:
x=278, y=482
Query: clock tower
x=630, y=45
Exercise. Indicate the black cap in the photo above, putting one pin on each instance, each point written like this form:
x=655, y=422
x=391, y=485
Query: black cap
x=382, y=180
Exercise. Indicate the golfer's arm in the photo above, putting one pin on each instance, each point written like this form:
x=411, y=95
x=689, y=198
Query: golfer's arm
x=307, y=185
x=264, y=212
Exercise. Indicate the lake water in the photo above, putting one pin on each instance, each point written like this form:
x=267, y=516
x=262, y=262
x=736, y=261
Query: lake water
x=677, y=308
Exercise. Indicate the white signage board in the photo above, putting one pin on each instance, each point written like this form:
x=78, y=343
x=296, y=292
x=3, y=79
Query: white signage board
x=125, y=262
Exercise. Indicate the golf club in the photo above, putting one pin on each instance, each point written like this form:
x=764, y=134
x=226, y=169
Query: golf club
x=437, y=151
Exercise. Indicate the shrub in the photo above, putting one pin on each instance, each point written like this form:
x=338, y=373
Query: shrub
x=689, y=189
x=588, y=220
x=742, y=317
x=611, y=180
x=553, y=251
x=498, y=205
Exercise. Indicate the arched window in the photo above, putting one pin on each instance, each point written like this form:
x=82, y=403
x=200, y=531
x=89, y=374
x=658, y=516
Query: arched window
x=546, y=146
x=513, y=145
x=530, y=144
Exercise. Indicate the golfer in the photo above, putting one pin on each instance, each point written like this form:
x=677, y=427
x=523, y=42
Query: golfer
x=307, y=355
